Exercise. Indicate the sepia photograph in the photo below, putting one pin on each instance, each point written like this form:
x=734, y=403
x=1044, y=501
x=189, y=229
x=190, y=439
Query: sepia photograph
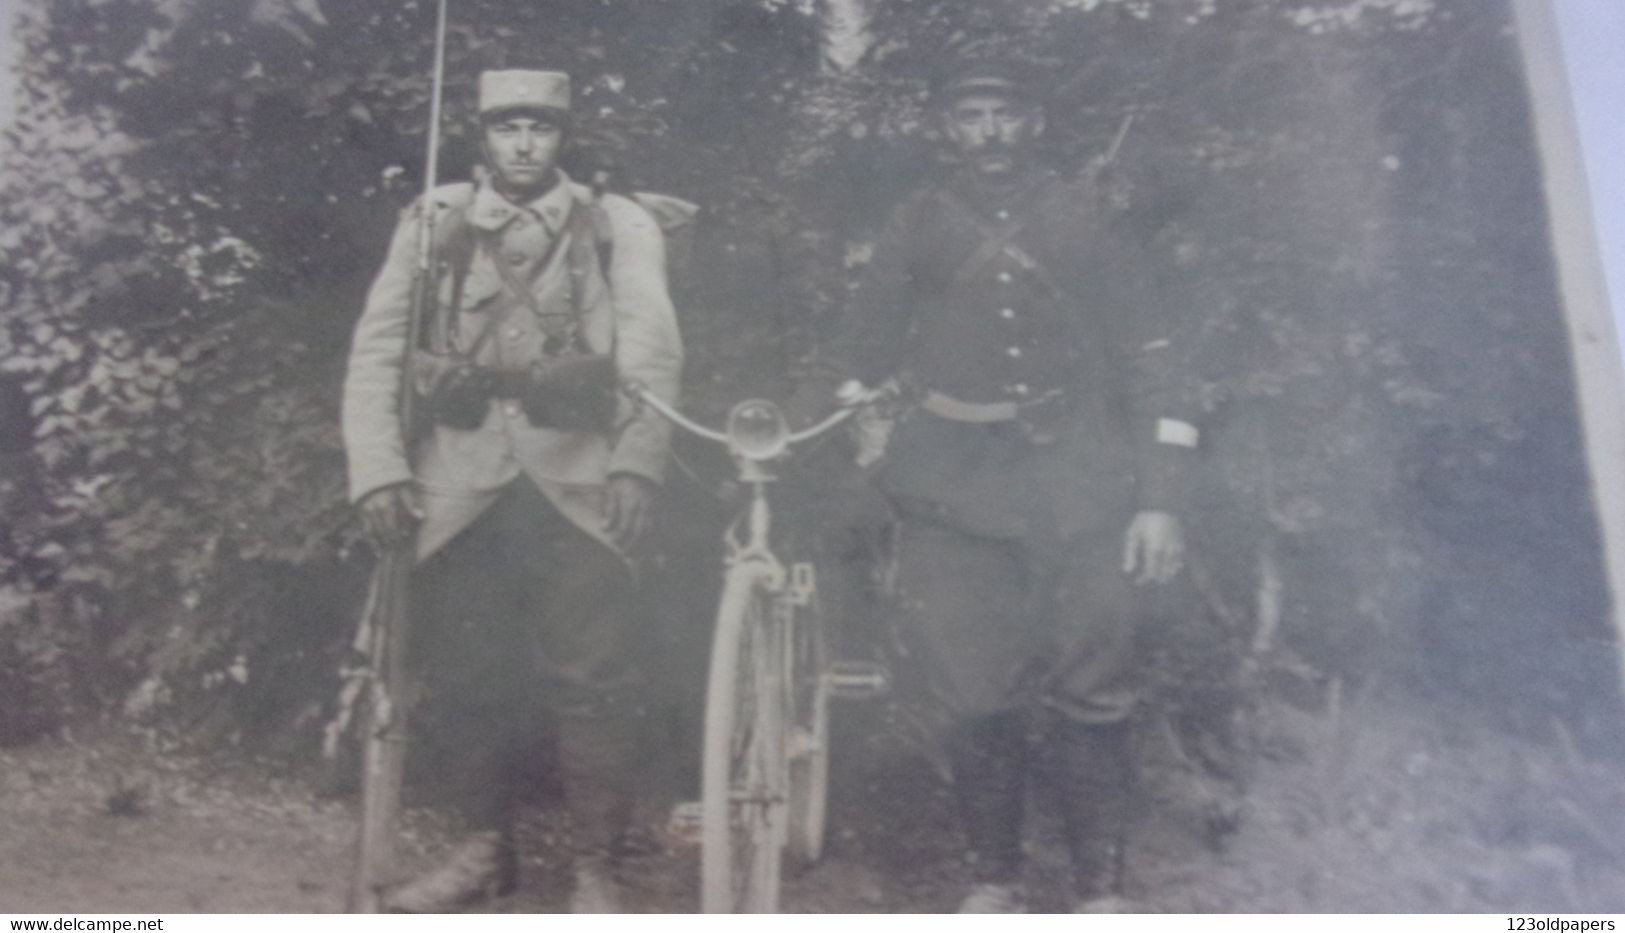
x=806, y=456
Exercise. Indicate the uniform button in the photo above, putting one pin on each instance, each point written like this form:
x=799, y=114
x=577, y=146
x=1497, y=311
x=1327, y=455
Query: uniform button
x=1002, y=215
x=512, y=408
x=1004, y=277
x=1013, y=352
x=1007, y=313
x=1020, y=388
x=515, y=333
x=516, y=259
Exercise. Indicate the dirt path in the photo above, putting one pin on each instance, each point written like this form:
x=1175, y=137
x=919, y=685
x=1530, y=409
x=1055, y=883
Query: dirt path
x=1379, y=810
x=109, y=825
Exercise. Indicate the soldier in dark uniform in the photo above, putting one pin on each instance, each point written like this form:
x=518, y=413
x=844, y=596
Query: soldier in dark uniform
x=1039, y=478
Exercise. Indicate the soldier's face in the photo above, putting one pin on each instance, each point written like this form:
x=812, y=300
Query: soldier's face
x=523, y=150
x=993, y=132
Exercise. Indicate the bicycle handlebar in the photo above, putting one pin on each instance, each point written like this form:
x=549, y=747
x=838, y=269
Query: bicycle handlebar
x=642, y=394
x=840, y=415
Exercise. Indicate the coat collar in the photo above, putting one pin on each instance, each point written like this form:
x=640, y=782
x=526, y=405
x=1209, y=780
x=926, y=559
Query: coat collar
x=491, y=211
x=1012, y=195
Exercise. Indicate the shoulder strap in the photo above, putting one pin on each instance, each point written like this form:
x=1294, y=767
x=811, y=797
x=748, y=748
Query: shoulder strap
x=602, y=235
x=578, y=239
x=997, y=239
x=520, y=289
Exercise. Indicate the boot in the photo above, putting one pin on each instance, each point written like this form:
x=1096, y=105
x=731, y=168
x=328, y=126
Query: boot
x=1088, y=769
x=596, y=890
x=479, y=868
x=598, y=762
x=987, y=757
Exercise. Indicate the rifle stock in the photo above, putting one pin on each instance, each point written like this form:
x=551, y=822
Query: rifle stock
x=387, y=618
x=383, y=753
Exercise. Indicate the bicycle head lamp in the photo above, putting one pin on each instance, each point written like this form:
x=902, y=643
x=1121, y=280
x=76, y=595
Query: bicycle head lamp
x=757, y=430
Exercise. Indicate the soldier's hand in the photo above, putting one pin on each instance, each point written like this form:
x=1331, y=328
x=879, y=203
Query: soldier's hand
x=852, y=392
x=628, y=499
x=1154, y=547
x=389, y=515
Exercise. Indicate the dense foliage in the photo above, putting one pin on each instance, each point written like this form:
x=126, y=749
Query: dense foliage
x=195, y=193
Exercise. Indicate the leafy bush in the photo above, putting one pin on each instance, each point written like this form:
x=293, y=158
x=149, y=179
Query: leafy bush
x=195, y=193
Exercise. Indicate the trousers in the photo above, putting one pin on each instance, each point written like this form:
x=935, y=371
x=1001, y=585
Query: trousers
x=1027, y=652
x=525, y=620
x=995, y=624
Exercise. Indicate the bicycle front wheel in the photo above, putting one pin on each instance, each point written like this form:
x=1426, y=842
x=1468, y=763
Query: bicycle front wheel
x=745, y=773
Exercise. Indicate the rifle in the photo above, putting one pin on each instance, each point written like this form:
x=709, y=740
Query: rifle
x=383, y=637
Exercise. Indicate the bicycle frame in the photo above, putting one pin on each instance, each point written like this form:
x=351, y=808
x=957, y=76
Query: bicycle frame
x=765, y=756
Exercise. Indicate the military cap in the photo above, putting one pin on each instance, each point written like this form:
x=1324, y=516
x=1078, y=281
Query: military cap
x=523, y=89
x=985, y=67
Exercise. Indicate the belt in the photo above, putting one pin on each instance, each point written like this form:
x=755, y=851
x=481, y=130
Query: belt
x=946, y=406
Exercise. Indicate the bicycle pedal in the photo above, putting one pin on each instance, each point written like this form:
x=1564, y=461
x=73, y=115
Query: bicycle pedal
x=858, y=680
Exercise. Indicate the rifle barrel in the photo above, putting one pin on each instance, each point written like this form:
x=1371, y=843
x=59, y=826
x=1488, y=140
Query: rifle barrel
x=431, y=167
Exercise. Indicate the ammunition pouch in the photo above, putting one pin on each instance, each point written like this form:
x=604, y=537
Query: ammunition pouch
x=571, y=393
x=461, y=395
x=431, y=374
x=574, y=392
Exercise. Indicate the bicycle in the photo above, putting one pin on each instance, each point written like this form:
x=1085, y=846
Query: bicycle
x=765, y=764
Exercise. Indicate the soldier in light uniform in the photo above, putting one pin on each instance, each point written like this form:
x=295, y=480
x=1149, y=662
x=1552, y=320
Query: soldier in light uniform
x=1038, y=480
x=523, y=518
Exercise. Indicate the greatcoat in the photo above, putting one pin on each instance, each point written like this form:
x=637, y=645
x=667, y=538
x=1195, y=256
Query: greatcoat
x=1040, y=338
x=1031, y=297
x=460, y=473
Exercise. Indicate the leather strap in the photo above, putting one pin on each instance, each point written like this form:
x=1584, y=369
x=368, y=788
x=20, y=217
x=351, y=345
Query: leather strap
x=580, y=238
x=520, y=289
x=997, y=239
